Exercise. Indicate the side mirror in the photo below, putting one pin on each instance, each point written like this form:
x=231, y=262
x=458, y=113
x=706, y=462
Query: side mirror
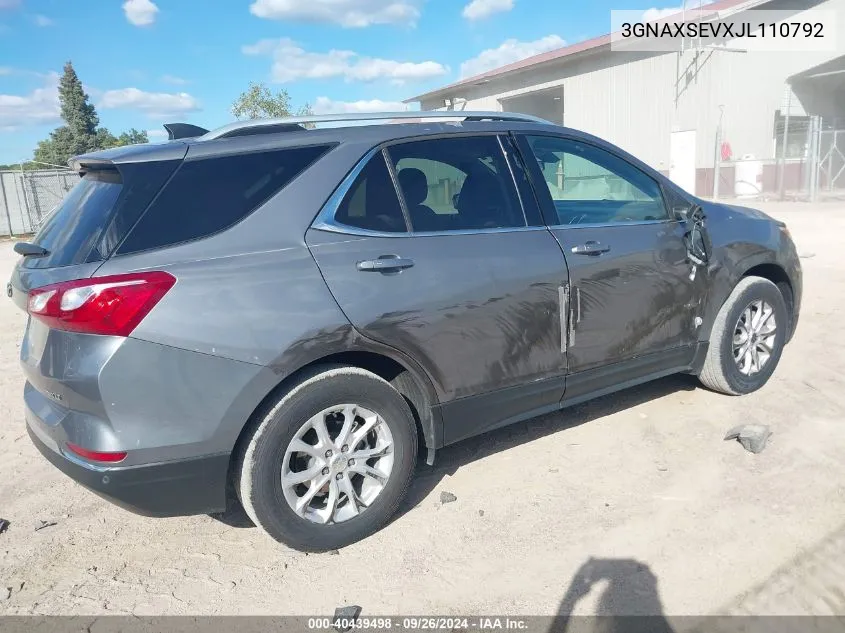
x=682, y=214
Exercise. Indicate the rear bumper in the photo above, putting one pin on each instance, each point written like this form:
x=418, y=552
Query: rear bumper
x=174, y=488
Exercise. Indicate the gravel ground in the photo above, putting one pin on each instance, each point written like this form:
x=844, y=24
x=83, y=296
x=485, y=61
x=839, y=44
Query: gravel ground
x=629, y=504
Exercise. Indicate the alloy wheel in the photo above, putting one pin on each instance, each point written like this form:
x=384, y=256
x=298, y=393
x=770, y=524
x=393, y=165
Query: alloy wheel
x=754, y=337
x=337, y=464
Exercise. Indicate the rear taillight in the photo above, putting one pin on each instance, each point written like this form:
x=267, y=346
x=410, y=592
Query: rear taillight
x=112, y=305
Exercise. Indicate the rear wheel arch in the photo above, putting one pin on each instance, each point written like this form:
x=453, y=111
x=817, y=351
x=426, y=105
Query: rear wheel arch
x=414, y=386
x=276, y=475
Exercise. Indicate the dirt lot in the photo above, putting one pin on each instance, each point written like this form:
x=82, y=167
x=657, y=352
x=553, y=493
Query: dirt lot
x=676, y=519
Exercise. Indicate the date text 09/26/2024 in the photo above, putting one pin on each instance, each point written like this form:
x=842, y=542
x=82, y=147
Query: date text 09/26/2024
x=417, y=623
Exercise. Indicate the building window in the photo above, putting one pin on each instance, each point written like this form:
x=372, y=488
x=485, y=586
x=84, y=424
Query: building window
x=797, y=135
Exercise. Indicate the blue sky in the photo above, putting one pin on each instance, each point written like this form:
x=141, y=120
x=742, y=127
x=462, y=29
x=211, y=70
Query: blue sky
x=145, y=62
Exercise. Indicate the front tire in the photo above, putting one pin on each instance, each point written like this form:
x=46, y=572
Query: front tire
x=747, y=339
x=329, y=461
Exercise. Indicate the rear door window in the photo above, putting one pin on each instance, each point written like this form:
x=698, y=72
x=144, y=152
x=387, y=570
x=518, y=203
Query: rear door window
x=211, y=194
x=458, y=183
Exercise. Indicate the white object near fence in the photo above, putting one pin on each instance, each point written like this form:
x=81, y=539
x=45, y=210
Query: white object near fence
x=748, y=177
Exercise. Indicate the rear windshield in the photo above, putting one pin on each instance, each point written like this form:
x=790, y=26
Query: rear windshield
x=73, y=230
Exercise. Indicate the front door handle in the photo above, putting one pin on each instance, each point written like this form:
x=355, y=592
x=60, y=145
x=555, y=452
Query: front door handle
x=590, y=248
x=385, y=264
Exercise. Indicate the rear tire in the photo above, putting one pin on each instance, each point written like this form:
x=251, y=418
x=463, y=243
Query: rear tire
x=744, y=350
x=351, y=496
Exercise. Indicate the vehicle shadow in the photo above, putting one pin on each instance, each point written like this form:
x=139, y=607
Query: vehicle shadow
x=451, y=458
x=235, y=516
x=629, y=599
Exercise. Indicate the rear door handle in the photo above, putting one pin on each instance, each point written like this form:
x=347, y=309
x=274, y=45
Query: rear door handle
x=385, y=264
x=590, y=248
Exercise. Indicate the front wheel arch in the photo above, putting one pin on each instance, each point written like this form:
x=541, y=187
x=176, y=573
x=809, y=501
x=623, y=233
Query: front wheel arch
x=778, y=276
x=727, y=278
x=719, y=370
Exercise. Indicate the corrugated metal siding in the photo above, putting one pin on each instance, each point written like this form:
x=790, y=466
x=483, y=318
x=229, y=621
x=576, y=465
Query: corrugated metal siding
x=630, y=98
x=629, y=105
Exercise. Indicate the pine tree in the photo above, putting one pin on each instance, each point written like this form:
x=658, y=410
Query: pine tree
x=80, y=133
x=77, y=111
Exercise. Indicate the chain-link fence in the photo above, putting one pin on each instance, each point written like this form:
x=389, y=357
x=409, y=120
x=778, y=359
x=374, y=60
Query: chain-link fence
x=808, y=162
x=28, y=196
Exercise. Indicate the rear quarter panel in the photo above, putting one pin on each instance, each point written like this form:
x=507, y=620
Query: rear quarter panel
x=250, y=298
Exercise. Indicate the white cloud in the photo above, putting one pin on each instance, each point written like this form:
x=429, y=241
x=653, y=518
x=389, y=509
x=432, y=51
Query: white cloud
x=156, y=134
x=347, y=13
x=38, y=107
x=173, y=80
x=154, y=104
x=510, y=51
x=5, y=70
x=324, y=105
x=480, y=9
x=656, y=14
x=291, y=62
x=140, y=12
x=42, y=20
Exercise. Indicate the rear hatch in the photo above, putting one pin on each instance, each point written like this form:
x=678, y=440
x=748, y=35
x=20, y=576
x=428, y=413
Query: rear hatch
x=61, y=366
x=69, y=236
x=114, y=188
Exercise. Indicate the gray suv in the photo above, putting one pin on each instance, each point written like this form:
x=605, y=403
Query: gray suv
x=292, y=315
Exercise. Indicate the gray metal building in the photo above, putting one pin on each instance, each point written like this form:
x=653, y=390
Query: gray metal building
x=684, y=112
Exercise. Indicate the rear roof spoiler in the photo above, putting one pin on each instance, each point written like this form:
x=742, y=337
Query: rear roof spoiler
x=183, y=130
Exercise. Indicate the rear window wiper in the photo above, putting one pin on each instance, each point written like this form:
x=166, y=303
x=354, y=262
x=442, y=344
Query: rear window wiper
x=28, y=249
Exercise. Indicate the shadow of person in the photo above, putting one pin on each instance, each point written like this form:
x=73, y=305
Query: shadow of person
x=629, y=599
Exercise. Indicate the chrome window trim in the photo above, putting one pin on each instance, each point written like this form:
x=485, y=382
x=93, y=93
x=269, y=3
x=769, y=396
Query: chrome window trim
x=599, y=225
x=337, y=227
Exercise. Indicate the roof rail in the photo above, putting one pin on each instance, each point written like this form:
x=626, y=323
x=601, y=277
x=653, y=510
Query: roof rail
x=238, y=128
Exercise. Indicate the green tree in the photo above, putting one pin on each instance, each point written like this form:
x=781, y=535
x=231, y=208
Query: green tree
x=60, y=147
x=77, y=111
x=132, y=137
x=80, y=133
x=258, y=102
x=106, y=139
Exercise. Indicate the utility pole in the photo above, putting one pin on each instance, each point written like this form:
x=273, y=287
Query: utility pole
x=717, y=159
